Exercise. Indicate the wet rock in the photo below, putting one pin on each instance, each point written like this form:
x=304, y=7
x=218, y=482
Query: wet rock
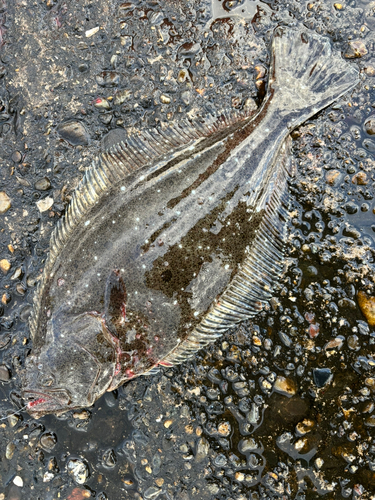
x=18, y=481
x=360, y=179
x=5, y=265
x=73, y=132
x=108, y=79
x=42, y=184
x=44, y=204
x=224, y=429
x=4, y=373
x=351, y=208
x=370, y=125
x=101, y=103
x=164, y=99
x=333, y=176
x=305, y=426
x=246, y=445
x=322, y=376
x=109, y=459
x=367, y=306
x=356, y=49
x=5, y=203
x=121, y=96
x=17, y=157
x=78, y=469
x=9, y=451
x=369, y=145
x=202, y=449
x=152, y=492
x=285, y=386
x=370, y=421
x=48, y=441
x=91, y=32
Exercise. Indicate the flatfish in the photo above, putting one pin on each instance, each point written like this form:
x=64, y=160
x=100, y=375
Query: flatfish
x=173, y=236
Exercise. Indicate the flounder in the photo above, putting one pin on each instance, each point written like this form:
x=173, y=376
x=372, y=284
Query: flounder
x=173, y=237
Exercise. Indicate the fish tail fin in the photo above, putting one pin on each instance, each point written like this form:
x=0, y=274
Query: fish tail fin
x=306, y=73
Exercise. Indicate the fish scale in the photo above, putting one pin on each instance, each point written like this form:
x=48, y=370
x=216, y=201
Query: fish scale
x=174, y=236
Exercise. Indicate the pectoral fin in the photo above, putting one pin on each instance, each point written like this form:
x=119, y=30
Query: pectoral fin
x=115, y=302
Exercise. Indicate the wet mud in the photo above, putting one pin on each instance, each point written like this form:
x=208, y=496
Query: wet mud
x=282, y=407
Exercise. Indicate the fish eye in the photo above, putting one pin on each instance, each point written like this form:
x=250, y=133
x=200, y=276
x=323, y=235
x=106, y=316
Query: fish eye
x=46, y=380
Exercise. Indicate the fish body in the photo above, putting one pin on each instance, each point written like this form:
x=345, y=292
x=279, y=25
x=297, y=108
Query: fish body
x=173, y=237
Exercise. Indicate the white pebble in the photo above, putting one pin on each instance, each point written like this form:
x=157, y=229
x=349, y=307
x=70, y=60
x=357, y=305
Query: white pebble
x=18, y=481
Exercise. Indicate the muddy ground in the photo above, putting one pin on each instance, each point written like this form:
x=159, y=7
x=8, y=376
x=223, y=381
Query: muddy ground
x=215, y=427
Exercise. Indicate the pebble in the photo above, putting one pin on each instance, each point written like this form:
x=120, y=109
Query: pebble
x=284, y=386
x=202, y=449
x=78, y=469
x=356, y=49
x=370, y=125
x=108, y=79
x=322, y=376
x=305, y=426
x=332, y=176
x=16, y=157
x=164, y=99
x=42, y=184
x=101, y=103
x=4, y=374
x=224, y=429
x=152, y=492
x=92, y=32
x=370, y=421
x=367, y=306
x=5, y=265
x=4, y=202
x=44, y=204
x=9, y=451
x=73, y=132
x=121, y=96
x=109, y=458
x=17, y=480
x=48, y=441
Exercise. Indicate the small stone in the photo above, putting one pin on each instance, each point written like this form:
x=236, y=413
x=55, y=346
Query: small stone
x=78, y=469
x=305, y=426
x=239, y=476
x=370, y=70
x=9, y=451
x=353, y=343
x=101, y=103
x=338, y=6
x=319, y=463
x=82, y=415
x=246, y=445
x=182, y=75
x=17, y=157
x=48, y=441
x=4, y=202
x=367, y=306
x=332, y=176
x=121, y=96
x=17, y=480
x=370, y=421
x=109, y=459
x=74, y=132
x=159, y=481
x=92, y=32
x=370, y=125
x=202, y=449
x=5, y=265
x=42, y=184
x=335, y=343
x=13, y=420
x=168, y=423
x=322, y=376
x=356, y=49
x=44, y=204
x=360, y=178
x=152, y=492
x=108, y=79
x=224, y=429
x=4, y=374
x=285, y=386
x=164, y=99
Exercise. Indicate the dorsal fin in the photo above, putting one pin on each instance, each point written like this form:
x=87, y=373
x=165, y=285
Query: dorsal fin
x=252, y=286
x=116, y=162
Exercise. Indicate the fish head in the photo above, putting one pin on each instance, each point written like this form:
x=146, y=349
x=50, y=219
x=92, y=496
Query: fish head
x=72, y=368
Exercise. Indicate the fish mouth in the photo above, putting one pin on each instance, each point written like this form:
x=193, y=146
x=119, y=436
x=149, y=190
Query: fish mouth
x=46, y=401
